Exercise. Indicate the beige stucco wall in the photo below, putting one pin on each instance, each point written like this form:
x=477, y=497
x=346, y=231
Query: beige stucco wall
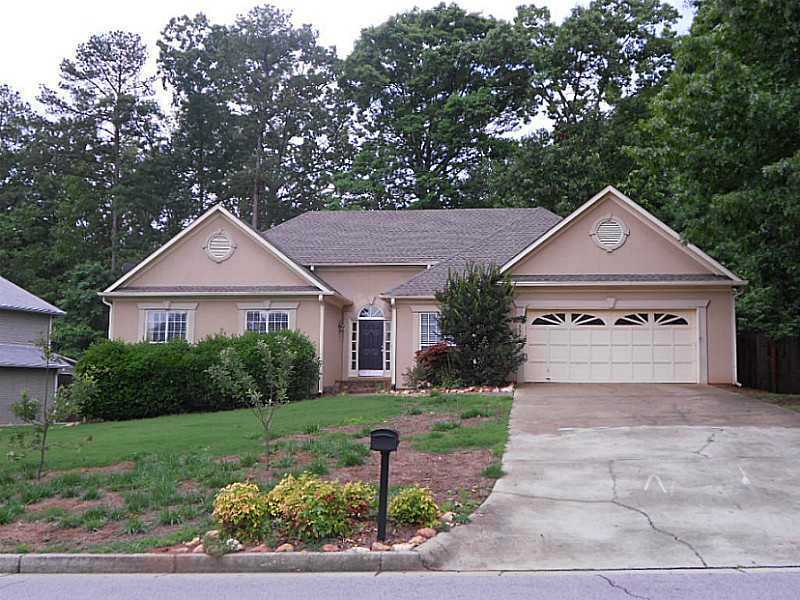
x=363, y=285
x=408, y=333
x=332, y=352
x=646, y=250
x=211, y=315
x=187, y=263
x=718, y=333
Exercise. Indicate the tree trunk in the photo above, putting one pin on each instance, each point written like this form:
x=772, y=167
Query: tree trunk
x=114, y=207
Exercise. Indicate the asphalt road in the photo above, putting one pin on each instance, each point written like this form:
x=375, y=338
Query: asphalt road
x=778, y=584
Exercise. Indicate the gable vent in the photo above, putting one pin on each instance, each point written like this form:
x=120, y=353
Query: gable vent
x=219, y=246
x=609, y=233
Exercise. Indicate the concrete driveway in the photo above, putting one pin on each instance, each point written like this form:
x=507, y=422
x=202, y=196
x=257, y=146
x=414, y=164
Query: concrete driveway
x=637, y=476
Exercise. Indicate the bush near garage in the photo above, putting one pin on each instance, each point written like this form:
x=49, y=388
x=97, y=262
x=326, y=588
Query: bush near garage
x=133, y=381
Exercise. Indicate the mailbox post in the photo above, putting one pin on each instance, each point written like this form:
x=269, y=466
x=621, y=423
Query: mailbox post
x=384, y=441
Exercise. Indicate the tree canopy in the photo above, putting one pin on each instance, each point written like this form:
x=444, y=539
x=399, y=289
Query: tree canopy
x=434, y=108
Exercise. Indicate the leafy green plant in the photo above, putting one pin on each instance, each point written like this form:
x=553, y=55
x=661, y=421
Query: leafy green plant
x=241, y=510
x=474, y=413
x=313, y=509
x=493, y=471
x=232, y=378
x=477, y=316
x=445, y=425
x=414, y=505
x=133, y=526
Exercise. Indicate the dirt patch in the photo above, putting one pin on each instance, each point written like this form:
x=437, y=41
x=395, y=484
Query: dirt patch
x=76, y=505
x=115, y=469
x=37, y=536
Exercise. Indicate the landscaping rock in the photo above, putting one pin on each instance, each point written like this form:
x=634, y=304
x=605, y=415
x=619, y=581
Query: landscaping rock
x=198, y=549
x=359, y=549
x=261, y=548
x=180, y=550
x=448, y=518
x=193, y=542
x=402, y=547
x=417, y=540
x=330, y=548
x=427, y=532
x=234, y=545
x=380, y=547
x=285, y=548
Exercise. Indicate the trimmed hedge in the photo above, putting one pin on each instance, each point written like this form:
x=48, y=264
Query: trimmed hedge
x=140, y=380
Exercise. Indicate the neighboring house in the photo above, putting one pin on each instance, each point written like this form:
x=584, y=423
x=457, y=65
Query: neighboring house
x=609, y=293
x=25, y=325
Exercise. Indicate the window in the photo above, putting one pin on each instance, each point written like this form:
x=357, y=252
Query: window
x=267, y=321
x=354, y=346
x=584, y=319
x=668, y=319
x=551, y=319
x=370, y=312
x=166, y=325
x=429, y=332
x=633, y=320
x=387, y=346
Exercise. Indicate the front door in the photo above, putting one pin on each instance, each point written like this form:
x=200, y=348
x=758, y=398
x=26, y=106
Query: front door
x=370, y=347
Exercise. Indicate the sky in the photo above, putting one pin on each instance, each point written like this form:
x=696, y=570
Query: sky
x=35, y=35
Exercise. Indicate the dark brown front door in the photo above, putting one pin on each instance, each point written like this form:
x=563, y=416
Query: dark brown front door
x=370, y=346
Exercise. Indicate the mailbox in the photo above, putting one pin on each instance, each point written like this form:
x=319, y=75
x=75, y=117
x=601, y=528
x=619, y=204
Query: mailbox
x=384, y=440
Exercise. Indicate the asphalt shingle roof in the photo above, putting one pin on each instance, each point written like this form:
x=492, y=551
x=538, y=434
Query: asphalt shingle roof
x=409, y=236
x=31, y=357
x=623, y=277
x=13, y=297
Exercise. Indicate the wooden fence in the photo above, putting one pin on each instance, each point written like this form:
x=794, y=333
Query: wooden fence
x=768, y=364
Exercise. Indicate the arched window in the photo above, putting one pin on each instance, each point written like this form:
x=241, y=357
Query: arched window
x=370, y=312
x=557, y=319
x=633, y=320
x=668, y=319
x=586, y=319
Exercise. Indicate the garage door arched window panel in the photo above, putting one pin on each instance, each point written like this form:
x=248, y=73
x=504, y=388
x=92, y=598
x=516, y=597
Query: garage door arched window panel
x=669, y=319
x=633, y=320
x=555, y=319
x=581, y=319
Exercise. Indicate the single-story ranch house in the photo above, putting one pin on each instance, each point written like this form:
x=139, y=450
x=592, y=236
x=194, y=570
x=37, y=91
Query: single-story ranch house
x=609, y=293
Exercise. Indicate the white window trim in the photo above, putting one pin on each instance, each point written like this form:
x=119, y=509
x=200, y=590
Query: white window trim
x=268, y=313
x=419, y=328
x=189, y=308
x=267, y=306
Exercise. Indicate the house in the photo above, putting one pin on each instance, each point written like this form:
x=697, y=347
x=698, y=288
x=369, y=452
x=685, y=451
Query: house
x=25, y=324
x=609, y=293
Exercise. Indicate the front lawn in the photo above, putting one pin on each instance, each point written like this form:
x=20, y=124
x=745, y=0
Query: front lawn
x=144, y=484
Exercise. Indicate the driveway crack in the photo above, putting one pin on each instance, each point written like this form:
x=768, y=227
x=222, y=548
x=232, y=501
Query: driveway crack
x=623, y=589
x=708, y=442
x=615, y=501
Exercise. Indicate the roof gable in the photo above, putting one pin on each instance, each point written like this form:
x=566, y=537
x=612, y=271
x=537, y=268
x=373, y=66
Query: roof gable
x=13, y=297
x=183, y=262
x=650, y=247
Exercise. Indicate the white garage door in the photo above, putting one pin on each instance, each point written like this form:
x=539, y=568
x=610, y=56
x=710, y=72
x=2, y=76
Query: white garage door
x=612, y=346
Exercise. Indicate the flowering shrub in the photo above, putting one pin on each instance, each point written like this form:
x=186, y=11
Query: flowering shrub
x=414, y=506
x=241, y=509
x=310, y=508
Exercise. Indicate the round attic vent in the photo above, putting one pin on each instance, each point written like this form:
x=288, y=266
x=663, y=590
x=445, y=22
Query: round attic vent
x=219, y=246
x=610, y=233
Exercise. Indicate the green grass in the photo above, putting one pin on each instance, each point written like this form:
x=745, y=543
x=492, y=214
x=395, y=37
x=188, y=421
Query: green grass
x=493, y=471
x=216, y=434
x=491, y=434
x=445, y=426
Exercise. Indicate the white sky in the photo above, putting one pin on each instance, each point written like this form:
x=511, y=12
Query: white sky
x=36, y=34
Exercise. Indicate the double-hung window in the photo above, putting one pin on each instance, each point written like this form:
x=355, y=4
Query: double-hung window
x=267, y=321
x=166, y=325
x=429, y=332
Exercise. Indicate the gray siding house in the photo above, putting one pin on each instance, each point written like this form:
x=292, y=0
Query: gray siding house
x=25, y=322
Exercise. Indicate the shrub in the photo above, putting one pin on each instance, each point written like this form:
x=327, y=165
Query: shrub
x=241, y=510
x=435, y=365
x=414, y=506
x=132, y=381
x=477, y=315
x=310, y=508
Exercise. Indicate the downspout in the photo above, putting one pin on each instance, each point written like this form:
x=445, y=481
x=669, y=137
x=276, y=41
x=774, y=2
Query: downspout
x=394, y=344
x=321, y=299
x=110, y=306
x=736, y=381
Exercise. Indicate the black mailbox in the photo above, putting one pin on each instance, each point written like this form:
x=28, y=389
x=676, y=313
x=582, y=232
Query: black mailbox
x=384, y=440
